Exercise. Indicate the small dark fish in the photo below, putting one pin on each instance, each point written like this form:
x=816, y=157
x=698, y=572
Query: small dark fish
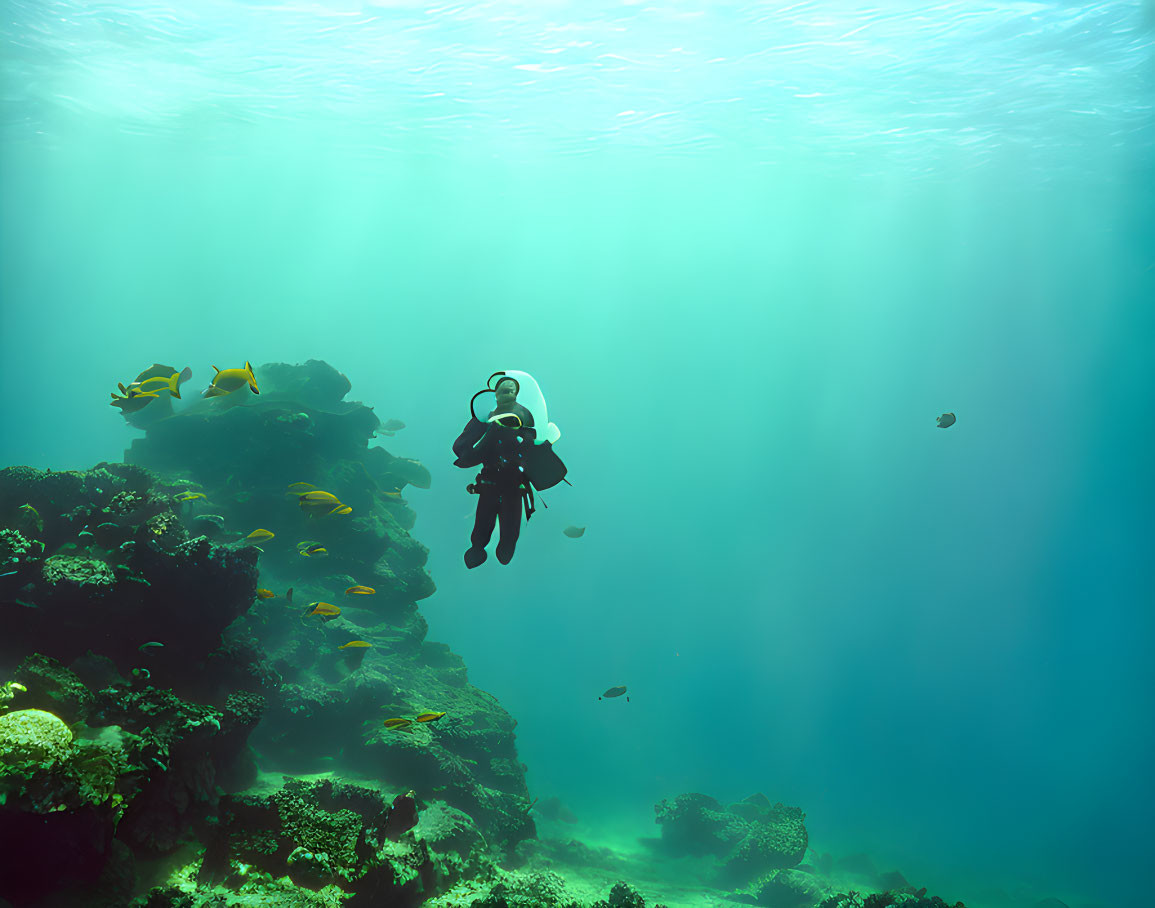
x=402, y=816
x=574, y=532
x=615, y=692
x=945, y=421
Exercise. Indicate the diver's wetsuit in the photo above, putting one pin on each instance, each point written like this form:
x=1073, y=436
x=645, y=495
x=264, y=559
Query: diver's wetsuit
x=502, y=486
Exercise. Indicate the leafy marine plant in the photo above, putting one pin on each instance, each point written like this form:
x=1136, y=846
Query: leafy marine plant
x=8, y=692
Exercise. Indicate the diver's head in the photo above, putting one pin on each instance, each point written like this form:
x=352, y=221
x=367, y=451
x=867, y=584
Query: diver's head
x=506, y=392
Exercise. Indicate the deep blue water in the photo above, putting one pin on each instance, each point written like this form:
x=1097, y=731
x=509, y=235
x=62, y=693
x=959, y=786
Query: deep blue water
x=750, y=252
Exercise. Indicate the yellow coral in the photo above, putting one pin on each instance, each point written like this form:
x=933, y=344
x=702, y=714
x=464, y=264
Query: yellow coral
x=33, y=734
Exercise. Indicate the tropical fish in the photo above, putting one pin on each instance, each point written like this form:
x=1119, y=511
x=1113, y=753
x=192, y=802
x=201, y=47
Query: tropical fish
x=319, y=495
x=315, y=550
x=319, y=502
x=355, y=644
x=574, y=532
x=229, y=380
x=144, y=389
x=340, y=510
x=326, y=609
x=260, y=535
x=156, y=383
x=398, y=724
x=299, y=488
x=615, y=692
x=187, y=496
x=429, y=717
x=265, y=594
x=360, y=591
x=945, y=421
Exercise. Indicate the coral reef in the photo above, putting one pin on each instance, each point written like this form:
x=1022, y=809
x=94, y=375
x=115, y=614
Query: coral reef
x=143, y=576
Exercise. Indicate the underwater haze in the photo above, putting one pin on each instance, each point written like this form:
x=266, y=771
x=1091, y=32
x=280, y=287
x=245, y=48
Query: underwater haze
x=750, y=252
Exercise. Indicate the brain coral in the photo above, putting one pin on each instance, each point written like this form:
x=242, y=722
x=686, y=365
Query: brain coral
x=32, y=735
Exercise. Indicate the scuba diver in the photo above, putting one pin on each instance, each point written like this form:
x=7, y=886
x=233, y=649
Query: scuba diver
x=514, y=446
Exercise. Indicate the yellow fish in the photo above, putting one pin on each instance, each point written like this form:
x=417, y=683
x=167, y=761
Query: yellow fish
x=360, y=591
x=259, y=535
x=265, y=594
x=146, y=386
x=325, y=609
x=429, y=717
x=158, y=383
x=187, y=496
x=398, y=724
x=299, y=488
x=135, y=390
x=313, y=550
x=355, y=644
x=340, y=509
x=318, y=500
x=227, y=381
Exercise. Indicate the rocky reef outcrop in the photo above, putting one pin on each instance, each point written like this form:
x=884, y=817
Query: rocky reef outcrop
x=246, y=456
x=144, y=666
x=750, y=838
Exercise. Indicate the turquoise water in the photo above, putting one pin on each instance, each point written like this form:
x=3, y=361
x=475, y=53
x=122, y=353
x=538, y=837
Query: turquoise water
x=749, y=252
